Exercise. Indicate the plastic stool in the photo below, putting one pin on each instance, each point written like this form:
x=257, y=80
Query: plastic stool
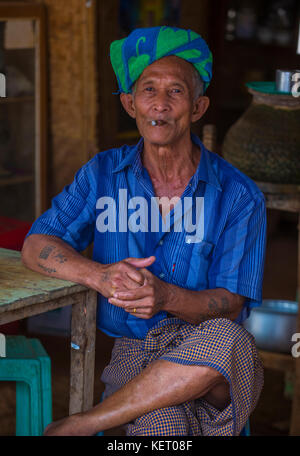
x=28, y=364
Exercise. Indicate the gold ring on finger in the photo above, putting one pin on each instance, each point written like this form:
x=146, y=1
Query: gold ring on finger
x=134, y=310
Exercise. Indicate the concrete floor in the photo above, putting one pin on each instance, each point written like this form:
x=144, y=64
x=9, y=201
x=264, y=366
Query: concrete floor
x=272, y=414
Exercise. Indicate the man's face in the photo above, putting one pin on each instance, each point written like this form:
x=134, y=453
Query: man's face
x=164, y=93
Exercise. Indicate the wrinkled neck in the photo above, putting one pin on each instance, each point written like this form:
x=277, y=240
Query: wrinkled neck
x=169, y=163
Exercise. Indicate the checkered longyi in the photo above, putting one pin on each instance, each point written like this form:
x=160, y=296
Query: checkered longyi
x=218, y=343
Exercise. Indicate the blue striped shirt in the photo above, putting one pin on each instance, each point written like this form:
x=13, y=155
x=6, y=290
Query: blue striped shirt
x=229, y=254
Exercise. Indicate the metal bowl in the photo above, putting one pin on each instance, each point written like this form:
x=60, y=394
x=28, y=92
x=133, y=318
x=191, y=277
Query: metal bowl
x=273, y=324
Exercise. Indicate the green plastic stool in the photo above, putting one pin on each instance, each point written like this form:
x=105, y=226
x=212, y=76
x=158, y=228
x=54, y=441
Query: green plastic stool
x=28, y=364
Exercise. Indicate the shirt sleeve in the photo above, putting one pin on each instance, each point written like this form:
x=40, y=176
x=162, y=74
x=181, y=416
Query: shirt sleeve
x=72, y=213
x=239, y=256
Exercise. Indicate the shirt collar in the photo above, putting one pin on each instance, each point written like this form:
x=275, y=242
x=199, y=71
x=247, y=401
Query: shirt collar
x=132, y=158
x=204, y=172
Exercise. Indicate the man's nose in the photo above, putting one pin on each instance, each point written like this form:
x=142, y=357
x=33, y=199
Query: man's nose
x=161, y=102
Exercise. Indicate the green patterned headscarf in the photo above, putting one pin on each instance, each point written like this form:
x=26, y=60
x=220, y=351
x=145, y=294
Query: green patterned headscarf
x=131, y=55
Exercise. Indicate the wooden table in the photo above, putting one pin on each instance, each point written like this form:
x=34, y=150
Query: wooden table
x=24, y=293
x=286, y=198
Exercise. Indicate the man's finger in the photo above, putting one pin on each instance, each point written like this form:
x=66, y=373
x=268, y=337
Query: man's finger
x=117, y=302
x=131, y=295
x=138, y=304
x=146, y=273
x=141, y=314
x=141, y=262
x=135, y=276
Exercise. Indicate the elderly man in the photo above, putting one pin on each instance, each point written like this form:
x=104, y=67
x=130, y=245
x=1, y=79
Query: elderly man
x=173, y=293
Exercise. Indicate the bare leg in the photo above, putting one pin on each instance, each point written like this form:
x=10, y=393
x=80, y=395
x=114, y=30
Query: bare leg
x=161, y=384
x=219, y=395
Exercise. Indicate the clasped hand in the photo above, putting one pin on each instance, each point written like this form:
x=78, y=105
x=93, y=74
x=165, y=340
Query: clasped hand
x=128, y=284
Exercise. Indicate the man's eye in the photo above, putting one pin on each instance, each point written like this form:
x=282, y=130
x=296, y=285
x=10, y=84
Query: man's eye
x=149, y=89
x=176, y=90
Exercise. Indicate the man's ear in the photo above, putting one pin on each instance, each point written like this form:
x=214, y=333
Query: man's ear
x=200, y=107
x=128, y=104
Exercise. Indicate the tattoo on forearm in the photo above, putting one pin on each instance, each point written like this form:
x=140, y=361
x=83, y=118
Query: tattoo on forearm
x=105, y=277
x=61, y=258
x=216, y=307
x=45, y=252
x=160, y=302
x=225, y=305
x=213, y=305
x=49, y=270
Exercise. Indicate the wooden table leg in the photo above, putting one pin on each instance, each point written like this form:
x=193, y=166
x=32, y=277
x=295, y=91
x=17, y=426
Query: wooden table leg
x=83, y=336
x=295, y=419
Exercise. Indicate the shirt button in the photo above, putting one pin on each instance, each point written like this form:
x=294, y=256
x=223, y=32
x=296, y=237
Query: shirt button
x=161, y=275
x=188, y=241
x=161, y=242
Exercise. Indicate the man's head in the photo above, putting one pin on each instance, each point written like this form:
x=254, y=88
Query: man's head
x=165, y=101
x=162, y=74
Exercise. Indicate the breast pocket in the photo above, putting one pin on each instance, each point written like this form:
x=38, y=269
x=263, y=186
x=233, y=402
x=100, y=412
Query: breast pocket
x=193, y=265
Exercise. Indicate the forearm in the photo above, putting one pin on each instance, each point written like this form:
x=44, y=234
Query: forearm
x=197, y=306
x=192, y=306
x=53, y=257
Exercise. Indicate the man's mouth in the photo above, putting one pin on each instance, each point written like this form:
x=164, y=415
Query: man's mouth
x=158, y=123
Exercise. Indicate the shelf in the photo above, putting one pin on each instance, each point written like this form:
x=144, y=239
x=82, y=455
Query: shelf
x=277, y=361
x=5, y=100
x=14, y=180
x=282, y=197
x=23, y=111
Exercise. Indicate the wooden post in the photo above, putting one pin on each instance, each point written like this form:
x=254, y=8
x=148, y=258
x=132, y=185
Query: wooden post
x=295, y=419
x=83, y=335
x=209, y=137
